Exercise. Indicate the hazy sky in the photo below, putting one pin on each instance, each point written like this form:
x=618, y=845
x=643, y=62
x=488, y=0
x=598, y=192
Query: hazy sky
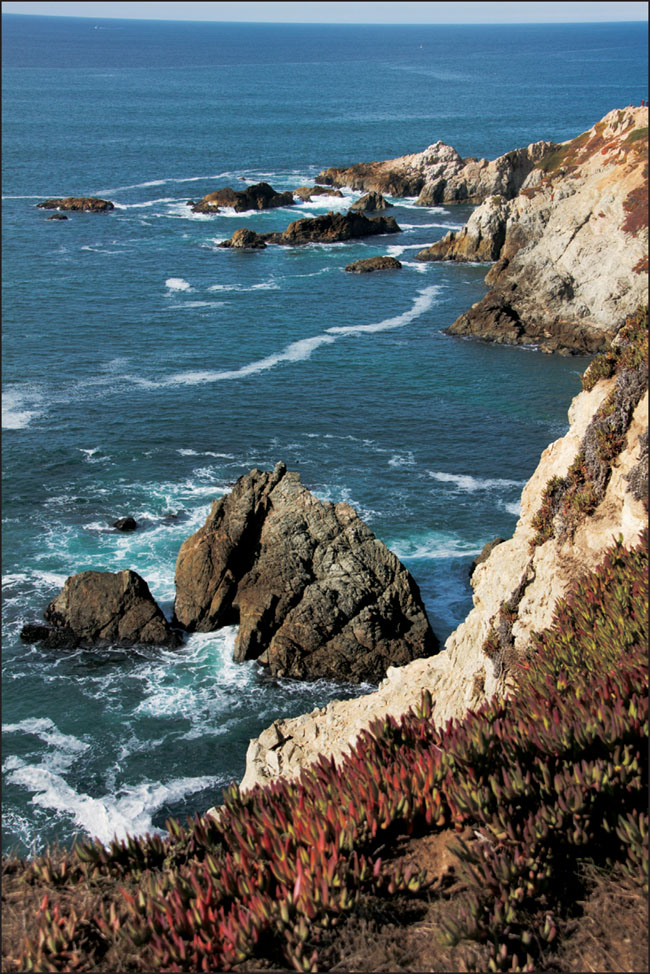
x=349, y=12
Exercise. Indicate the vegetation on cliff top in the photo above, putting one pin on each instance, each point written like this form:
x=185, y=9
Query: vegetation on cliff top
x=538, y=790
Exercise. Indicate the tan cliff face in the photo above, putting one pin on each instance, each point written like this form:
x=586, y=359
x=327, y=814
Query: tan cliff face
x=462, y=676
x=571, y=248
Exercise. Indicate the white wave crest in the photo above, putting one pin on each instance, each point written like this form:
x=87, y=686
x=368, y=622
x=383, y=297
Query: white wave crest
x=18, y=408
x=432, y=546
x=468, y=483
x=177, y=284
x=46, y=730
x=301, y=350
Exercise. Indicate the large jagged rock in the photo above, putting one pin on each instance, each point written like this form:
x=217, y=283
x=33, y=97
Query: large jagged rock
x=531, y=579
x=314, y=592
x=441, y=175
x=101, y=609
x=261, y=196
x=86, y=204
x=244, y=239
x=571, y=248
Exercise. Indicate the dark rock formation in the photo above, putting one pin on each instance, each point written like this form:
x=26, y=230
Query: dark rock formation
x=315, y=594
x=87, y=204
x=328, y=228
x=102, y=608
x=370, y=202
x=369, y=264
x=261, y=196
x=58, y=216
x=333, y=227
x=485, y=554
x=306, y=193
x=125, y=524
x=245, y=239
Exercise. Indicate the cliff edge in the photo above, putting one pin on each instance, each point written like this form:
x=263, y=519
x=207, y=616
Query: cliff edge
x=588, y=490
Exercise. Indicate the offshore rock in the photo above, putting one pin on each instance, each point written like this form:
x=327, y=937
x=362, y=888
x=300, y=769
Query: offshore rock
x=369, y=264
x=370, y=202
x=306, y=193
x=105, y=608
x=86, y=204
x=314, y=592
x=441, y=175
x=261, y=196
x=58, y=216
x=244, y=239
x=571, y=248
x=125, y=524
x=332, y=227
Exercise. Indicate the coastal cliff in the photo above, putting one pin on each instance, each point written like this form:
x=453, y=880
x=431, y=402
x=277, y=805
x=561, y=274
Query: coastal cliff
x=571, y=248
x=598, y=471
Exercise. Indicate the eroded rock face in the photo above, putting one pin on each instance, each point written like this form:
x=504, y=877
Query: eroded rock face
x=369, y=264
x=441, y=175
x=570, y=249
x=87, y=204
x=314, y=592
x=105, y=608
x=261, y=196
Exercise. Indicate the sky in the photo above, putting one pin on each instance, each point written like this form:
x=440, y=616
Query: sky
x=349, y=12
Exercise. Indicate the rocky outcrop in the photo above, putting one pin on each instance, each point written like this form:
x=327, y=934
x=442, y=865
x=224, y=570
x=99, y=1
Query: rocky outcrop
x=369, y=264
x=315, y=594
x=332, y=227
x=261, y=196
x=86, y=204
x=570, y=249
x=441, y=175
x=125, y=524
x=486, y=551
x=307, y=193
x=102, y=609
x=245, y=239
x=370, y=203
x=515, y=594
x=327, y=228
x=481, y=239
x=58, y=216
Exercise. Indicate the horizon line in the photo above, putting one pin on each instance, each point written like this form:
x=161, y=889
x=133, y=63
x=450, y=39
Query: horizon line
x=335, y=23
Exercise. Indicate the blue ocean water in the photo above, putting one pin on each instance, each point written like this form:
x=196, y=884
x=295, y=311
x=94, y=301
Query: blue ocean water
x=145, y=369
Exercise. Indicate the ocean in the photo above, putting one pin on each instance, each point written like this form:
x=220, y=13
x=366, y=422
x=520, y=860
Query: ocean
x=145, y=369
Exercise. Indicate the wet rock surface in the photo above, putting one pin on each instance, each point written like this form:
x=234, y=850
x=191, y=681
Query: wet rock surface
x=370, y=203
x=315, y=594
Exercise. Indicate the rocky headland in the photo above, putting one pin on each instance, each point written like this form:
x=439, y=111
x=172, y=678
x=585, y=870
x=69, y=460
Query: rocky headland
x=571, y=248
x=589, y=489
x=307, y=193
x=440, y=175
x=84, y=204
x=314, y=593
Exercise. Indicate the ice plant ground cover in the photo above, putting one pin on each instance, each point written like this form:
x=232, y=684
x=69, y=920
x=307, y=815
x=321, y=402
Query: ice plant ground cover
x=533, y=791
